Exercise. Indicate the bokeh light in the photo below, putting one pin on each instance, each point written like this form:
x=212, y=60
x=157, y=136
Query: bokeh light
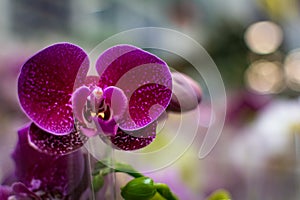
x=263, y=37
x=292, y=69
x=265, y=77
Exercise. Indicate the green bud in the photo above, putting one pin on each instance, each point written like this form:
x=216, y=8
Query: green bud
x=98, y=182
x=141, y=188
x=220, y=195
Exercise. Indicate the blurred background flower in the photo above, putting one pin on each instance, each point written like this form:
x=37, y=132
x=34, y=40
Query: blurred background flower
x=256, y=47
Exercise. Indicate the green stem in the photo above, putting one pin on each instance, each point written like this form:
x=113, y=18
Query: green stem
x=102, y=169
x=165, y=191
x=125, y=168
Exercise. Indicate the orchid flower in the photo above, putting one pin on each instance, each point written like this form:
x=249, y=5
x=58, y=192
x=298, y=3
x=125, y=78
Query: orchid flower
x=66, y=107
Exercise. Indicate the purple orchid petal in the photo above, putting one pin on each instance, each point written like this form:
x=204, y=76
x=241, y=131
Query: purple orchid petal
x=79, y=98
x=187, y=94
x=143, y=77
x=147, y=103
x=54, y=144
x=55, y=175
x=110, y=55
x=134, y=140
x=46, y=83
x=5, y=192
x=116, y=99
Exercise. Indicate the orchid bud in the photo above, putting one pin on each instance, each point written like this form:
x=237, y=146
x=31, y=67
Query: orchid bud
x=141, y=188
x=220, y=195
x=186, y=95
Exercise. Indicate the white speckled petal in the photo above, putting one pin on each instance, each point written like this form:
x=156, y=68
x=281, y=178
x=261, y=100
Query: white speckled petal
x=134, y=140
x=55, y=144
x=46, y=83
x=144, y=78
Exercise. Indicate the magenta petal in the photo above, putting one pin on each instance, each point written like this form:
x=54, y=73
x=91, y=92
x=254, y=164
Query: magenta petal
x=79, y=100
x=146, y=104
x=5, y=192
x=110, y=55
x=136, y=71
x=46, y=83
x=116, y=99
x=55, y=144
x=134, y=140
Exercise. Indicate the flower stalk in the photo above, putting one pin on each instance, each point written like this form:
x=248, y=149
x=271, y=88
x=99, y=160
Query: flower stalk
x=141, y=187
